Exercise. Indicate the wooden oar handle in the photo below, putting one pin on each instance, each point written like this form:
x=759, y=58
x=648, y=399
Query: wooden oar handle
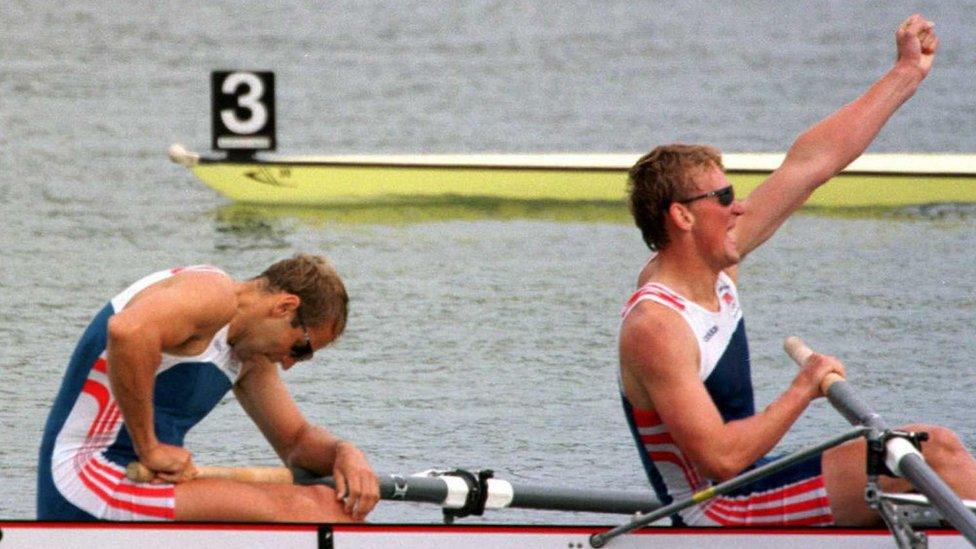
x=138, y=472
x=799, y=352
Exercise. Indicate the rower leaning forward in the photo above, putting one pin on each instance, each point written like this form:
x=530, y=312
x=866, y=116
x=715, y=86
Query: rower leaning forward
x=160, y=356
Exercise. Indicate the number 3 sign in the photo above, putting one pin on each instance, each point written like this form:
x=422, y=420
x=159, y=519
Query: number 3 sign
x=243, y=110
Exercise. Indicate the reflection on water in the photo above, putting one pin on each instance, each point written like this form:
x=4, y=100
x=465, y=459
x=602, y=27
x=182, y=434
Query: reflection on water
x=251, y=217
x=269, y=223
x=949, y=210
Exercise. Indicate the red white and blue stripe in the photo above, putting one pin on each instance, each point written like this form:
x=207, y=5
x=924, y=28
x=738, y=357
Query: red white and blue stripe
x=85, y=446
x=793, y=497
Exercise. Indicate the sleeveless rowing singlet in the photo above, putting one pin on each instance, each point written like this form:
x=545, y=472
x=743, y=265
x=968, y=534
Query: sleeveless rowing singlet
x=85, y=446
x=795, y=496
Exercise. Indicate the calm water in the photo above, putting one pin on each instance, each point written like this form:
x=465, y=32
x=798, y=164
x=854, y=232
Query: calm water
x=481, y=335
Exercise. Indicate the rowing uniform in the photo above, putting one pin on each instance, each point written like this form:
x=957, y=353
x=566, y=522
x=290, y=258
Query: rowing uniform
x=85, y=447
x=793, y=497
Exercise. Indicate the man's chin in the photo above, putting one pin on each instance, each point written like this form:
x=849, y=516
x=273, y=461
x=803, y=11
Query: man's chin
x=731, y=259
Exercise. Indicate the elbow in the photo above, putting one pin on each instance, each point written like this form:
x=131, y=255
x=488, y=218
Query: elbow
x=719, y=472
x=720, y=467
x=120, y=331
x=290, y=449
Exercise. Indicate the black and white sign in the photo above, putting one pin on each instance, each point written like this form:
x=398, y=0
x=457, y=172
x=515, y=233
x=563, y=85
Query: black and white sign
x=243, y=110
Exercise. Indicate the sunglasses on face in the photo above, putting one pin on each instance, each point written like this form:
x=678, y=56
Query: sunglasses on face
x=725, y=196
x=302, y=351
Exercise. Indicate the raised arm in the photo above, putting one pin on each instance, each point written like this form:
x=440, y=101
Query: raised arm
x=836, y=141
x=659, y=370
x=170, y=316
x=301, y=444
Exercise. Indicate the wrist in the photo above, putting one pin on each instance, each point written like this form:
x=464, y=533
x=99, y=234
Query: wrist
x=801, y=394
x=908, y=75
x=144, y=445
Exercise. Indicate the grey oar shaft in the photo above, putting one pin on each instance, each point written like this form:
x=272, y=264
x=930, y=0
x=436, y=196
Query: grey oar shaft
x=940, y=495
x=575, y=499
x=437, y=490
x=911, y=465
x=845, y=400
x=599, y=540
x=395, y=487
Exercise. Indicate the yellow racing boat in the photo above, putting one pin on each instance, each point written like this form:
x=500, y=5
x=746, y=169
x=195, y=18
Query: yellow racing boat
x=243, y=127
x=872, y=181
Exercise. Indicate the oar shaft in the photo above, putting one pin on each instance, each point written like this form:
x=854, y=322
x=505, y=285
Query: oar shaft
x=451, y=492
x=599, y=540
x=840, y=393
x=576, y=499
x=907, y=462
x=445, y=490
x=914, y=468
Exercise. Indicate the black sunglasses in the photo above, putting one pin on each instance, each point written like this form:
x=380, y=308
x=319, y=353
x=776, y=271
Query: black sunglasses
x=725, y=196
x=302, y=351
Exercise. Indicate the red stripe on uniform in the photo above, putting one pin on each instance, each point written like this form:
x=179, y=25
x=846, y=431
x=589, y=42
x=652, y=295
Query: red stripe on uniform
x=721, y=504
x=791, y=490
x=668, y=298
x=148, y=510
x=100, y=365
x=803, y=521
x=738, y=511
x=109, y=421
x=105, y=469
x=98, y=470
x=102, y=396
x=659, y=438
x=646, y=418
x=647, y=292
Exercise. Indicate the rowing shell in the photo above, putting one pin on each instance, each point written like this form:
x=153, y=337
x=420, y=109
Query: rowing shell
x=66, y=535
x=873, y=181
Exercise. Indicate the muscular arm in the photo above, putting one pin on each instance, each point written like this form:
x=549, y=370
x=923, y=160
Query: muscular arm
x=659, y=365
x=301, y=444
x=167, y=316
x=267, y=401
x=833, y=143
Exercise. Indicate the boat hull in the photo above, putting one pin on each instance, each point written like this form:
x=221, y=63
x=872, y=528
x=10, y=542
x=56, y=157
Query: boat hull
x=584, y=178
x=61, y=535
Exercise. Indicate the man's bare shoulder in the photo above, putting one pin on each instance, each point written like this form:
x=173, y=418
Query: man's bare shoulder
x=654, y=334
x=649, y=316
x=203, y=281
x=658, y=352
x=212, y=294
x=203, y=298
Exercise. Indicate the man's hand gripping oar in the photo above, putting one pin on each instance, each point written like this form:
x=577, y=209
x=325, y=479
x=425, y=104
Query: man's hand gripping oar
x=901, y=457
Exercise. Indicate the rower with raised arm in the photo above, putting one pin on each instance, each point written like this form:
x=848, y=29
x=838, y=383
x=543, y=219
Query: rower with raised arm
x=158, y=358
x=684, y=358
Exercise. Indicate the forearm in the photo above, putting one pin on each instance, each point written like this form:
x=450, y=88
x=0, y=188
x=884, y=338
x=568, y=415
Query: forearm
x=839, y=139
x=314, y=450
x=132, y=379
x=744, y=441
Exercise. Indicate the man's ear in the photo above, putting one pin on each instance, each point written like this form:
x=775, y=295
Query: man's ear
x=681, y=216
x=285, y=304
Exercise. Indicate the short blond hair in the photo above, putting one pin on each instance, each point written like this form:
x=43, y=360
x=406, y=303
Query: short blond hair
x=317, y=284
x=661, y=177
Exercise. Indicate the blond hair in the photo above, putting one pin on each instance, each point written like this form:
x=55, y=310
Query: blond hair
x=317, y=284
x=661, y=177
